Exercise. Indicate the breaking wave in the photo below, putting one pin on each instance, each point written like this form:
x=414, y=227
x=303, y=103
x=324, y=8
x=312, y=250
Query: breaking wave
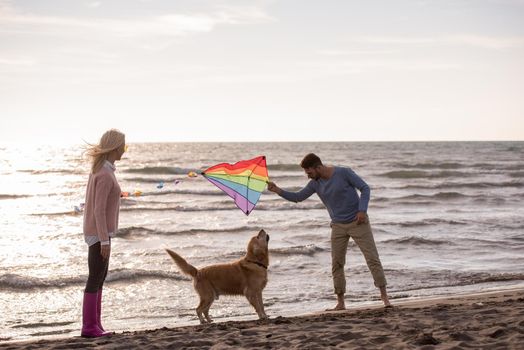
x=162, y=170
x=224, y=207
x=457, y=165
x=447, y=278
x=430, y=222
x=28, y=283
x=416, y=241
x=518, y=174
x=13, y=196
x=420, y=174
x=164, y=192
x=52, y=171
x=439, y=196
x=309, y=249
x=284, y=167
x=141, y=231
x=473, y=185
x=442, y=165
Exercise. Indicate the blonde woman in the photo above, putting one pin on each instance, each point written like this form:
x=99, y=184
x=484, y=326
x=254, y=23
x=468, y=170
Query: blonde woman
x=102, y=205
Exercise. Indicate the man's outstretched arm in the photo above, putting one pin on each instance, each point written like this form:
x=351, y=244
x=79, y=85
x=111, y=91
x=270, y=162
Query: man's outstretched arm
x=299, y=196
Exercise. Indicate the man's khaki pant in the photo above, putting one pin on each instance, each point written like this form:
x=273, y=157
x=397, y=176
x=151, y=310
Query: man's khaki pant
x=363, y=237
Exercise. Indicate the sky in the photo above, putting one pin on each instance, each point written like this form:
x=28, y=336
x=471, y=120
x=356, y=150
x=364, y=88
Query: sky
x=261, y=70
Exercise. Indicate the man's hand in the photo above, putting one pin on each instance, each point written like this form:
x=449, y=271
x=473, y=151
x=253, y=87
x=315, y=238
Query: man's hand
x=362, y=218
x=105, y=250
x=271, y=186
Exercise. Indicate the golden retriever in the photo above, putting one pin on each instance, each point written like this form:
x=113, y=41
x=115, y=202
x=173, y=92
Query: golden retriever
x=246, y=276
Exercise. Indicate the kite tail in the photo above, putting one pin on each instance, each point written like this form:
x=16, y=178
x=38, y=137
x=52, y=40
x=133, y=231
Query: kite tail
x=186, y=268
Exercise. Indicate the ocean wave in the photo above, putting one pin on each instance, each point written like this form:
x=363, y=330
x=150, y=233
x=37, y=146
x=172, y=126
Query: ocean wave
x=430, y=165
x=417, y=203
x=514, y=149
x=439, y=196
x=127, y=232
x=429, y=222
x=284, y=167
x=152, y=180
x=469, y=242
x=13, y=196
x=473, y=185
x=28, y=283
x=517, y=167
x=179, y=208
x=170, y=182
x=309, y=250
x=163, y=192
x=492, y=200
x=19, y=282
x=279, y=205
x=518, y=174
x=59, y=213
x=455, y=165
x=226, y=205
x=42, y=324
x=52, y=171
x=213, y=191
x=416, y=241
x=140, y=231
x=161, y=170
x=229, y=205
x=447, y=278
x=132, y=275
x=476, y=243
x=420, y=174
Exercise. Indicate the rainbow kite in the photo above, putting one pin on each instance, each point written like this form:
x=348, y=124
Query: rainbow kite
x=243, y=181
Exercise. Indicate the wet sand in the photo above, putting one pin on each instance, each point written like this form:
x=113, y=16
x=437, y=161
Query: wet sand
x=493, y=320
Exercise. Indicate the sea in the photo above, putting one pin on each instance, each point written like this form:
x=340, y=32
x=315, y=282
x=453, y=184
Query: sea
x=447, y=217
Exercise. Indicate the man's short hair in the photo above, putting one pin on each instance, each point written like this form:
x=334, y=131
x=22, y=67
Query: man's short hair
x=311, y=160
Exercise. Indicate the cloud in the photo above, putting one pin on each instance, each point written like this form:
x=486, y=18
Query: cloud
x=481, y=41
x=488, y=42
x=325, y=68
x=335, y=52
x=17, y=61
x=94, y=4
x=174, y=24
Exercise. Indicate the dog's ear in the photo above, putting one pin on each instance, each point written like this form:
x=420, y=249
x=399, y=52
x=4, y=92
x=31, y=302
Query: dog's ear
x=259, y=251
x=253, y=248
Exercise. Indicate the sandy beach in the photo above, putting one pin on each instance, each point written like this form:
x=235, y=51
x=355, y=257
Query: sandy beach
x=491, y=320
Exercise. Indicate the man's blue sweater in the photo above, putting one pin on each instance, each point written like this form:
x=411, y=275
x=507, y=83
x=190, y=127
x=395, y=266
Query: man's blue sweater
x=338, y=194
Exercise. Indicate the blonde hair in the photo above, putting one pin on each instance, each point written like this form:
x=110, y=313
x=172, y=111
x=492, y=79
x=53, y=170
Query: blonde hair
x=110, y=141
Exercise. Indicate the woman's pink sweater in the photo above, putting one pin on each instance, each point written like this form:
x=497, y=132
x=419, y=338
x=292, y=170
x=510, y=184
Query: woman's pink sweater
x=102, y=203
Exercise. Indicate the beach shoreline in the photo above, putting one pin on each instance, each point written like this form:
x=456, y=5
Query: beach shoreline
x=493, y=319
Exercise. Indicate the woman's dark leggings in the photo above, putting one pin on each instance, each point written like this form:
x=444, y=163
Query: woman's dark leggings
x=97, y=269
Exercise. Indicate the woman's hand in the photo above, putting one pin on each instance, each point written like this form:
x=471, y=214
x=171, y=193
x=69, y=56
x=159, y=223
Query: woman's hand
x=105, y=250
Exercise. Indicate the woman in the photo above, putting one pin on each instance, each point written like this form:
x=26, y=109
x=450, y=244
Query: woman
x=102, y=204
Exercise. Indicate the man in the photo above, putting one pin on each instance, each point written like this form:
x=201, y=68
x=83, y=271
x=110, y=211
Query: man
x=336, y=187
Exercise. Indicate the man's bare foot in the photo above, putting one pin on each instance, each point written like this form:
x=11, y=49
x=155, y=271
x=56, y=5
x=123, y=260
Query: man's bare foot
x=341, y=305
x=338, y=307
x=384, y=297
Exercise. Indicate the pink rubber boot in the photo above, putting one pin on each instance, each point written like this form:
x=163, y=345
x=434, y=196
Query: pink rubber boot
x=99, y=311
x=89, y=317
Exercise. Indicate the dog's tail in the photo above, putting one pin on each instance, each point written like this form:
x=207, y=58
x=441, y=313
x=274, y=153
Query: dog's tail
x=186, y=267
